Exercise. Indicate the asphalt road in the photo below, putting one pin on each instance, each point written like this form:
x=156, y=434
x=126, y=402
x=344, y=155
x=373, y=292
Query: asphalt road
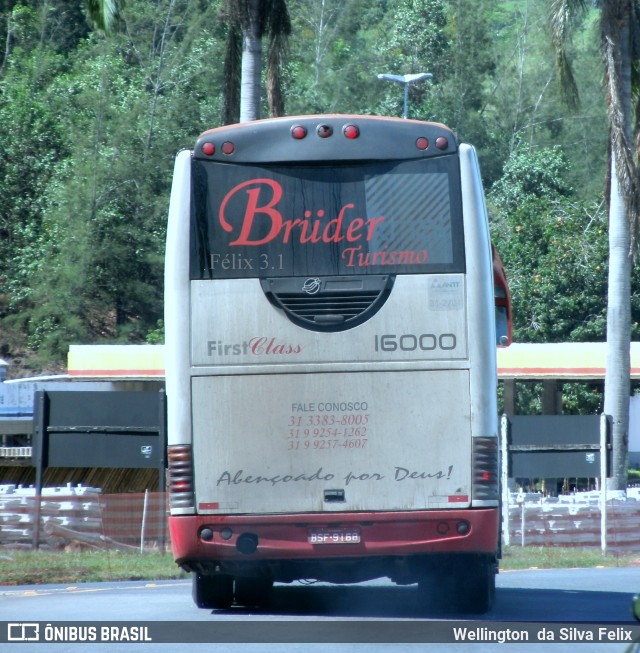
x=369, y=612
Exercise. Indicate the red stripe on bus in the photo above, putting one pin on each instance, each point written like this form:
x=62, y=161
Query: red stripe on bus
x=209, y=506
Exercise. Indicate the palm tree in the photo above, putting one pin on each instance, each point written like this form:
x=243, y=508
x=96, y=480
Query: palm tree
x=248, y=22
x=620, y=37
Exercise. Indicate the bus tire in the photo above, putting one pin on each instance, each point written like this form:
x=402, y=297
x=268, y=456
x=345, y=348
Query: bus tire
x=474, y=588
x=253, y=592
x=213, y=592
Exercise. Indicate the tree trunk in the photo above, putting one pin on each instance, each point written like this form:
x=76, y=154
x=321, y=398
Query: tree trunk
x=618, y=375
x=251, y=66
x=617, y=379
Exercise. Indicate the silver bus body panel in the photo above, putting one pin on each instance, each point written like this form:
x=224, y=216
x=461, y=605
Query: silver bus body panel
x=277, y=431
x=331, y=442
x=482, y=346
x=247, y=397
x=234, y=323
x=177, y=300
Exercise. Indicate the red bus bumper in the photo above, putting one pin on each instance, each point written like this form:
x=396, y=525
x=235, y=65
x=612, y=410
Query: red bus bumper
x=239, y=538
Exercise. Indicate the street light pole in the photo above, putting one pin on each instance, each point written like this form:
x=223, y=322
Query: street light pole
x=406, y=81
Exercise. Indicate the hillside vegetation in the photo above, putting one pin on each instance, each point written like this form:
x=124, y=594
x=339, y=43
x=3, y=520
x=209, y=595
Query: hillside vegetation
x=90, y=126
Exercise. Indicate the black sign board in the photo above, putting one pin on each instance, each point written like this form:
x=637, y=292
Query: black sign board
x=103, y=429
x=99, y=429
x=554, y=446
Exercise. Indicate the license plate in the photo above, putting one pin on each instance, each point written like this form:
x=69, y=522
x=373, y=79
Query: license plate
x=334, y=536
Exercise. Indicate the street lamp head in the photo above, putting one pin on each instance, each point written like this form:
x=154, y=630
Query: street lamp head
x=416, y=77
x=392, y=78
x=405, y=79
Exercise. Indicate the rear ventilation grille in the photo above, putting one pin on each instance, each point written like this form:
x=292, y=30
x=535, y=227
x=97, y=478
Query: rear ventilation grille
x=328, y=307
x=329, y=303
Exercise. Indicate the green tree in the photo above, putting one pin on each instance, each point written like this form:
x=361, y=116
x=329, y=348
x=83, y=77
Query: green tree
x=554, y=247
x=415, y=42
x=93, y=269
x=104, y=261
x=335, y=56
x=31, y=142
x=520, y=101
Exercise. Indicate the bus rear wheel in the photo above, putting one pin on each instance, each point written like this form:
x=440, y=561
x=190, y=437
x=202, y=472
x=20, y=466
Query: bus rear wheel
x=461, y=585
x=213, y=592
x=474, y=587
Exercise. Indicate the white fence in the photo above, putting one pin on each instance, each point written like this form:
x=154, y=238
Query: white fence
x=82, y=516
x=574, y=520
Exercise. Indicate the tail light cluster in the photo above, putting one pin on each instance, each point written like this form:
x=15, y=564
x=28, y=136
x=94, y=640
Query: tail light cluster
x=180, y=476
x=486, y=469
x=298, y=132
x=227, y=147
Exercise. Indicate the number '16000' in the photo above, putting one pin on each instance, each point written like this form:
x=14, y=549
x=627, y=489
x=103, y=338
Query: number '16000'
x=412, y=342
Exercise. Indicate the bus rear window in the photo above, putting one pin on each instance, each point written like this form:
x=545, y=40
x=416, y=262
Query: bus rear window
x=290, y=220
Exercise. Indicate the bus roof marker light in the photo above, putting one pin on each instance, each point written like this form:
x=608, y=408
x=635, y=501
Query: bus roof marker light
x=298, y=132
x=324, y=131
x=208, y=149
x=442, y=142
x=351, y=131
x=228, y=147
x=422, y=143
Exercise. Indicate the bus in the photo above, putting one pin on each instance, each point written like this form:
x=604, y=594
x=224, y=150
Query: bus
x=332, y=310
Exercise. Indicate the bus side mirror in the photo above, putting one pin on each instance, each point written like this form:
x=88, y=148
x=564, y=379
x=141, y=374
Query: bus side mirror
x=503, y=339
x=502, y=298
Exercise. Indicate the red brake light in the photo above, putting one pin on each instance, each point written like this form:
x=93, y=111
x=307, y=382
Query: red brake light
x=180, y=476
x=298, y=132
x=228, y=147
x=208, y=149
x=422, y=143
x=485, y=469
x=351, y=131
